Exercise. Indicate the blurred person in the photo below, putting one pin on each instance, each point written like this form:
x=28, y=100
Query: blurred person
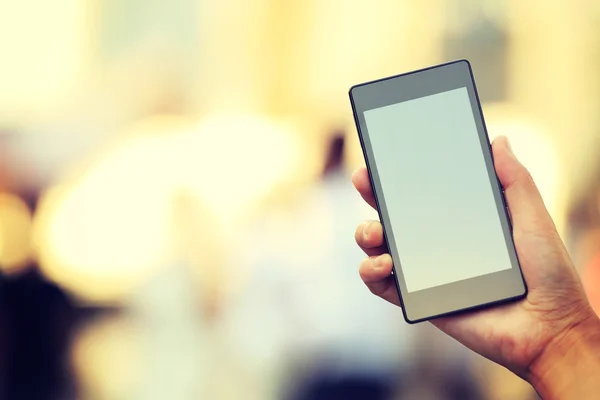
x=552, y=337
x=304, y=320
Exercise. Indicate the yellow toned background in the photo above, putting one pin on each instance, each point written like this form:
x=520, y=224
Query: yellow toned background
x=161, y=167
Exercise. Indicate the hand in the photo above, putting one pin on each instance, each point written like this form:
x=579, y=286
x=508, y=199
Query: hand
x=518, y=335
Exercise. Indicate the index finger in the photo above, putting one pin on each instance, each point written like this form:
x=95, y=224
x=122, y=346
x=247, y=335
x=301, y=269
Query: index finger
x=362, y=183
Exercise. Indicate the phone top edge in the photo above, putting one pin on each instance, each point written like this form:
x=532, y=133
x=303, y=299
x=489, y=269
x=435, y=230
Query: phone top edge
x=358, y=85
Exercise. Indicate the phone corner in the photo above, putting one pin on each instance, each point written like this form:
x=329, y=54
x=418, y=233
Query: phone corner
x=520, y=295
x=524, y=291
x=352, y=90
x=464, y=61
x=410, y=320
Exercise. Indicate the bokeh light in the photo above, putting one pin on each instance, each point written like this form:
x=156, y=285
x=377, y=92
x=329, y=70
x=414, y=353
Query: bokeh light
x=15, y=234
x=43, y=53
x=230, y=161
x=112, y=222
x=532, y=143
x=105, y=358
x=109, y=223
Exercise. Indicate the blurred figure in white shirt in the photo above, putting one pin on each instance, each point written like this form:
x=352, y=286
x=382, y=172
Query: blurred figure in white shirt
x=305, y=318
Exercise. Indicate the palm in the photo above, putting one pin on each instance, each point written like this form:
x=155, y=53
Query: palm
x=507, y=334
x=512, y=334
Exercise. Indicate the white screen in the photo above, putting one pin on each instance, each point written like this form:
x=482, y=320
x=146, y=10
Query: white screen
x=437, y=190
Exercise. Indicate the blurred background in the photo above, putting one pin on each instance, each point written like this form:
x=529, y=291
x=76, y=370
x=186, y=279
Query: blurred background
x=176, y=214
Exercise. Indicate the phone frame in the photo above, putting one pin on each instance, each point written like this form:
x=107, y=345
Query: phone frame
x=465, y=295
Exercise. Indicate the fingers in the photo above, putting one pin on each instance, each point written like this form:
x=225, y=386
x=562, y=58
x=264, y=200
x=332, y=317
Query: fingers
x=375, y=272
x=369, y=236
x=527, y=209
x=376, y=269
x=362, y=183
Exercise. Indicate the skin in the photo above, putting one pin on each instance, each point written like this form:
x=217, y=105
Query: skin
x=530, y=337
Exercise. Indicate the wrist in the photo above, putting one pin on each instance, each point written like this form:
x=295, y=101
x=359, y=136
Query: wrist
x=569, y=366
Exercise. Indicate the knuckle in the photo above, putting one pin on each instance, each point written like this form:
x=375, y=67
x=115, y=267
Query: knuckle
x=525, y=177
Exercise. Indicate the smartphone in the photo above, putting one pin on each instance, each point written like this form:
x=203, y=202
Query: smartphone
x=444, y=216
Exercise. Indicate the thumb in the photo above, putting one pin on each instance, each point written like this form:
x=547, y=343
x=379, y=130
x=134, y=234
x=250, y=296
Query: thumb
x=527, y=209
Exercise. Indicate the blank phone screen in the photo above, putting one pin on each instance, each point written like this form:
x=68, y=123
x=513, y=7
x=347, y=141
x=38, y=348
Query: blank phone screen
x=437, y=190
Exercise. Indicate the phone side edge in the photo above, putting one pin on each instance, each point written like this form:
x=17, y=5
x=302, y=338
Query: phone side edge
x=378, y=208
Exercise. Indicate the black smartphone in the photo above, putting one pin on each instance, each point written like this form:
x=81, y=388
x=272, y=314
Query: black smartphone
x=442, y=208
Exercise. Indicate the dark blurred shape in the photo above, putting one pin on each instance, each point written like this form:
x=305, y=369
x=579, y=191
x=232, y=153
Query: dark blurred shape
x=584, y=236
x=585, y=212
x=584, y=220
x=485, y=44
x=6, y=180
x=461, y=386
x=324, y=386
x=433, y=377
x=37, y=321
x=334, y=158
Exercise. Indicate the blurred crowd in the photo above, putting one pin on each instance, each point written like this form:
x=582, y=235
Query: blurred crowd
x=176, y=214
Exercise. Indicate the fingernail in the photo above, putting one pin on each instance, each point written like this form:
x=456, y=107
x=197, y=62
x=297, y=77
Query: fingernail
x=365, y=230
